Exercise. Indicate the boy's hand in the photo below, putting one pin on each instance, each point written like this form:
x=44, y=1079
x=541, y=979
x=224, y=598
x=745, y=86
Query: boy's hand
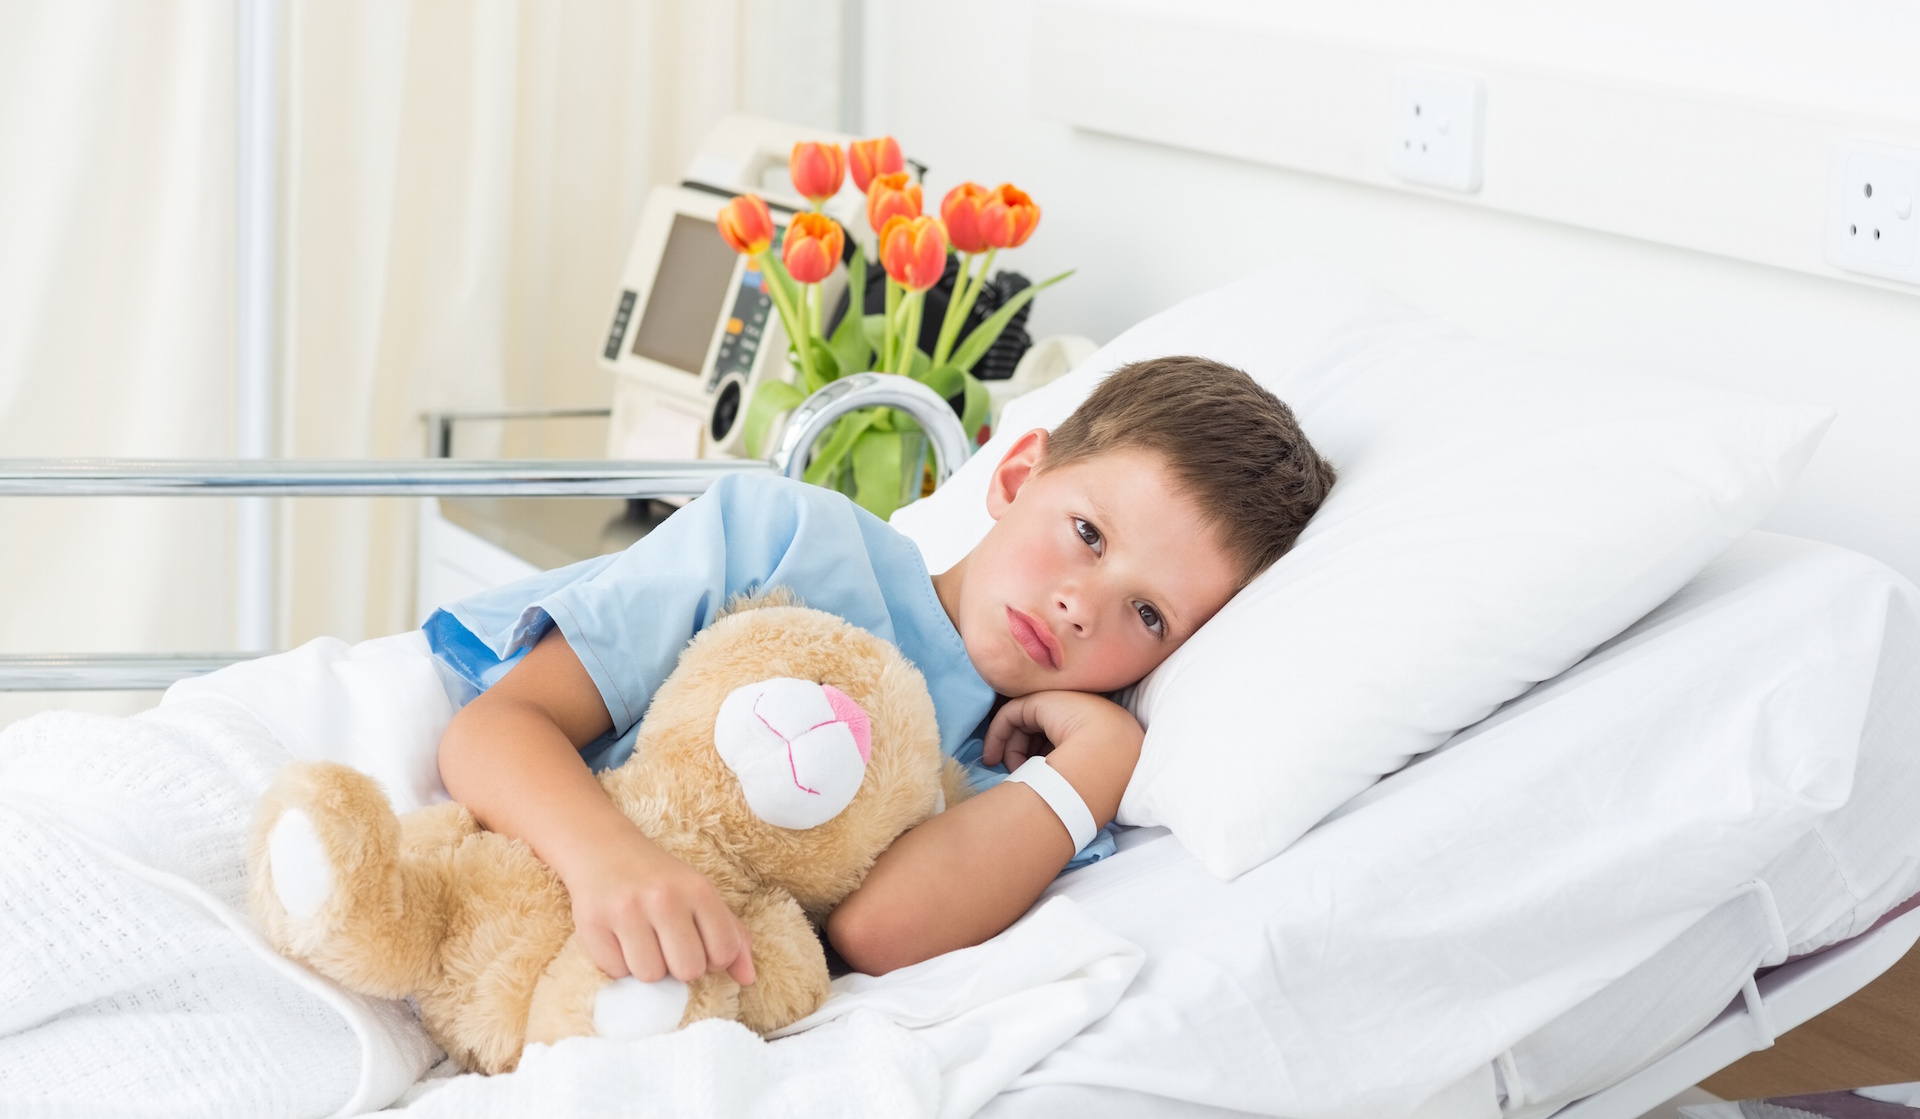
x=1093, y=742
x=644, y=913
x=512, y=756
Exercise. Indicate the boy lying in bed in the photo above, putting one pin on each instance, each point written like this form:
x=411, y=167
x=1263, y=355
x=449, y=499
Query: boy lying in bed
x=1115, y=538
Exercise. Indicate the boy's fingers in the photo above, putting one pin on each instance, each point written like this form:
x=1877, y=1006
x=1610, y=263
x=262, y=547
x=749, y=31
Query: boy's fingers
x=680, y=943
x=603, y=948
x=642, y=950
x=720, y=934
x=729, y=944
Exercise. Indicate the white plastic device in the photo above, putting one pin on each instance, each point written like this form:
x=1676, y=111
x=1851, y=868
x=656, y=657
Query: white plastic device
x=1873, y=193
x=692, y=331
x=1438, y=122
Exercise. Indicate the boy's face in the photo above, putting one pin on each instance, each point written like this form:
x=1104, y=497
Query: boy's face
x=1092, y=574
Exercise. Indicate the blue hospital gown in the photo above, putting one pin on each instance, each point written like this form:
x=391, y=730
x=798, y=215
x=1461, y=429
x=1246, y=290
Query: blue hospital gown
x=627, y=616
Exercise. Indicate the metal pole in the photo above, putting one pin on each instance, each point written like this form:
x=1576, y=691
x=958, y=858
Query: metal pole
x=257, y=108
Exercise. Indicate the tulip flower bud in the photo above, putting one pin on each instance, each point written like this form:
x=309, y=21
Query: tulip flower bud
x=746, y=225
x=960, y=212
x=913, y=251
x=1007, y=217
x=868, y=159
x=817, y=170
x=890, y=196
x=812, y=247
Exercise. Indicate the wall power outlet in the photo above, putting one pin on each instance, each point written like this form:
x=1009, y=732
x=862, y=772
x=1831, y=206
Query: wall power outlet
x=1872, y=226
x=1437, y=124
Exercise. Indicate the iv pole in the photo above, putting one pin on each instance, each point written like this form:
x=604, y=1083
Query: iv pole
x=256, y=112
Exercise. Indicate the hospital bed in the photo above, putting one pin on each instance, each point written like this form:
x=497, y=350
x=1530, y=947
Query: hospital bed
x=1822, y=921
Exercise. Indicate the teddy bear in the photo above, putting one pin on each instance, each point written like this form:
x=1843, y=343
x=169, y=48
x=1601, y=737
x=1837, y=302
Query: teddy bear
x=786, y=750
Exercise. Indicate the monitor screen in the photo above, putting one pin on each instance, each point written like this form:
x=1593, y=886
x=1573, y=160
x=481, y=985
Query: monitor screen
x=696, y=270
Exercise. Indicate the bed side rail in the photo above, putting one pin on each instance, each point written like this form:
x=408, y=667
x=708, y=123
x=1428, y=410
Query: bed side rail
x=435, y=477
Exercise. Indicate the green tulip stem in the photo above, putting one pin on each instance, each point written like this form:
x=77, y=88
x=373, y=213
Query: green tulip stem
x=950, y=322
x=893, y=312
x=910, y=337
x=790, y=316
x=979, y=281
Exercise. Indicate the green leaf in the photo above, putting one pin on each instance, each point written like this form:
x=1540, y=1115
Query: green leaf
x=948, y=380
x=978, y=406
x=846, y=430
x=769, y=400
x=776, y=273
x=826, y=367
x=876, y=473
x=976, y=345
x=874, y=327
x=852, y=351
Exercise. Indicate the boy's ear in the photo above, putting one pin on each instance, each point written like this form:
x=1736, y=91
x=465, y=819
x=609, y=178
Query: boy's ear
x=1015, y=470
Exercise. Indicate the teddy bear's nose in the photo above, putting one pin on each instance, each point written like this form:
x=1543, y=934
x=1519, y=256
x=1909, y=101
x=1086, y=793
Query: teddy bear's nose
x=799, y=749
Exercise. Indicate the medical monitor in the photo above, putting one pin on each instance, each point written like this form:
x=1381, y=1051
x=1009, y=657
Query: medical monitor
x=695, y=275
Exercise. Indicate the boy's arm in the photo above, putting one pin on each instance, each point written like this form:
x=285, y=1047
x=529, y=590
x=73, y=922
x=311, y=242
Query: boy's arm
x=971, y=871
x=512, y=757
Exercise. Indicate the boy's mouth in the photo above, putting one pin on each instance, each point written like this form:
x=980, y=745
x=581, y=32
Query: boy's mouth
x=1034, y=638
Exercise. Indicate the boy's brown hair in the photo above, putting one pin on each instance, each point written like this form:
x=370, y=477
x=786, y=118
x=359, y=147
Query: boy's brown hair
x=1232, y=445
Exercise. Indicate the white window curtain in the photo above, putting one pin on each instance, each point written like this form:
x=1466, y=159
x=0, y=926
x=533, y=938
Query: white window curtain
x=458, y=181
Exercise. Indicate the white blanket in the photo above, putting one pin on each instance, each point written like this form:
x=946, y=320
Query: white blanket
x=130, y=979
x=937, y=1039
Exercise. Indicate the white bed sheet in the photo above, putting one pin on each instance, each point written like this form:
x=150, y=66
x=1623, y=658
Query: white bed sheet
x=1383, y=965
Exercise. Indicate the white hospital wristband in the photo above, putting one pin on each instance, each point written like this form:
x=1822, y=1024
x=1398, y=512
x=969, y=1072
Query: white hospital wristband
x=1060, y=796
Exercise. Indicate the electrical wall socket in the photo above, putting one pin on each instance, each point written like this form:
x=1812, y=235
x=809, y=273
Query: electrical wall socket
x=1872, y=226
x=1438, y=120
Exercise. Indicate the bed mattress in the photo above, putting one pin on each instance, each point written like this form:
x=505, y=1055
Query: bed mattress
x=1855, y=867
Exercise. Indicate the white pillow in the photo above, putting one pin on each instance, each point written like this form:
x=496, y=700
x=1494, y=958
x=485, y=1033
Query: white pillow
x=1499, y=513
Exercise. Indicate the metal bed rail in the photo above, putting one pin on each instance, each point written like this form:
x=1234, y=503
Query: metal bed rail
x=438, y=477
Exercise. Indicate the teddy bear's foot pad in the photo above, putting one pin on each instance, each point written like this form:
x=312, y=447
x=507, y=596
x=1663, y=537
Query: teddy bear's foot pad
x=302, y=876
x=628, y=1009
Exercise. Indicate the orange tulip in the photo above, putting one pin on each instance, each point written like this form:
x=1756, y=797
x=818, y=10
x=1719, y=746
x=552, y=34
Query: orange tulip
x=817, y=170
x=960, y=211
x=746, y=225
x=890, y=196
x=869, y=158
x=1007, y=217
x=812, y=247
x=913, y=251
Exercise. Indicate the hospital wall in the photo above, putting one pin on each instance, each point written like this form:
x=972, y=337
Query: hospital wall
x=1728, y=108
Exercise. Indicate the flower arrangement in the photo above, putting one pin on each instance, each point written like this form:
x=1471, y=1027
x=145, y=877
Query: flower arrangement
x=875, y=455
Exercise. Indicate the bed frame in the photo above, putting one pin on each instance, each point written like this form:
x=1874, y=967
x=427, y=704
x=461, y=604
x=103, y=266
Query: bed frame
x=1782, y=999
x=1770, y=1005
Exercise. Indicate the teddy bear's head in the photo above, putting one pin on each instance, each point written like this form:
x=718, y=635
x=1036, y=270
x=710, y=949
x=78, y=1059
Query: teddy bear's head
x=801, y=744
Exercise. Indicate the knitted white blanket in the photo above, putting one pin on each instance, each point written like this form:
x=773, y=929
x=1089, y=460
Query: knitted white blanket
x=131, y=983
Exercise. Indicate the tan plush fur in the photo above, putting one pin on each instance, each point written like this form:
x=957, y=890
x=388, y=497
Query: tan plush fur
x=480, y=932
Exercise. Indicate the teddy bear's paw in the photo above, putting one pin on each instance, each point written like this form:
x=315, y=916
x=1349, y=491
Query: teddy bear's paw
x=627, y=1009
x=302, y=874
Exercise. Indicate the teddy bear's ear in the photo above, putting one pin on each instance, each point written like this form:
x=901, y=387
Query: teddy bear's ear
x=799, y=749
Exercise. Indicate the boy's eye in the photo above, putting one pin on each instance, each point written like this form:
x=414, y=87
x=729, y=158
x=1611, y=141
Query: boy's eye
x=1089, y=535
x=1151, y=617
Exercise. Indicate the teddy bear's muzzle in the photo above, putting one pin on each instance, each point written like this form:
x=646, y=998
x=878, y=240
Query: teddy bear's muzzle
x=798, y=748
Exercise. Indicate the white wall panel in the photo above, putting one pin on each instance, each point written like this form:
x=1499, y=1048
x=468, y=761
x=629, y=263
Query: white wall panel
x=1149, y=223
